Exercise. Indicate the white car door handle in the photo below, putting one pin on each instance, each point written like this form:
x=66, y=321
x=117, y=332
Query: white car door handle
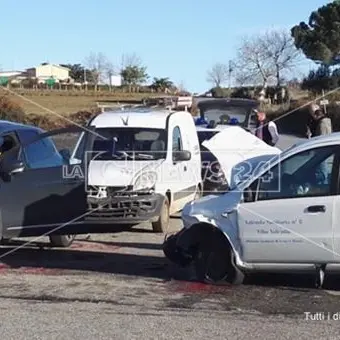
x=316, y=208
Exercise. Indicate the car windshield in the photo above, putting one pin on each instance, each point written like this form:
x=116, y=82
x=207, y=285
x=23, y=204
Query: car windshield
x=226, y=115
x=129, y=144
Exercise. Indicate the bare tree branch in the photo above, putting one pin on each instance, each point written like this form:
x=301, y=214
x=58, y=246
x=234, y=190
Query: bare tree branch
x=218, y=74
x=98, y=65
x=279, y=48
x=130, y=60
x=262, y=58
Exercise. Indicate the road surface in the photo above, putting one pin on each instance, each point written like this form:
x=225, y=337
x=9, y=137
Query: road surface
x=120, y=286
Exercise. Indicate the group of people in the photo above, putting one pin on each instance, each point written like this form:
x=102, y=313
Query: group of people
x=318, y=124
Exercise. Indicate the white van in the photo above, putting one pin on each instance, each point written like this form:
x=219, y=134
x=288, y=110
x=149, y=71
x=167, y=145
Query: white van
x=144, y=165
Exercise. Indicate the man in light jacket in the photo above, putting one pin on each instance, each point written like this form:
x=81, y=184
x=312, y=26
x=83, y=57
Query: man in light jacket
x=266, y=129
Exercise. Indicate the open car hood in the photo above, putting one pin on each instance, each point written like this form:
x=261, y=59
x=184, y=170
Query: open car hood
x=235, y=145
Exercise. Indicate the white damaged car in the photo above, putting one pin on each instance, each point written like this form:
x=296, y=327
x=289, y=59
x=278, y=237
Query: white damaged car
x=283, y=218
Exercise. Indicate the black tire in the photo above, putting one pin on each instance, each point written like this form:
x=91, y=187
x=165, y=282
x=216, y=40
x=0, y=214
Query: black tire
x=162, y=224
x=214, y=261
x=61, y=241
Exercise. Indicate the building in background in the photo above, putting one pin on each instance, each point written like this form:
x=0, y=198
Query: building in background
x=47, y=71
x=116, y=80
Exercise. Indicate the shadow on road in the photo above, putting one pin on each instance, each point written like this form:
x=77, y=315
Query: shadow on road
x=137, y=245
x=85, y=257
x=104, y=257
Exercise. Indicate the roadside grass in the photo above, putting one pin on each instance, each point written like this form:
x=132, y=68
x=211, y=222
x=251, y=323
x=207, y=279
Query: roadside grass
x=65, y=102
x=79, y=106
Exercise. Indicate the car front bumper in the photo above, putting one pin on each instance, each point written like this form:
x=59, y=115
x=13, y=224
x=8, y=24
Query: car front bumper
x=130, y=208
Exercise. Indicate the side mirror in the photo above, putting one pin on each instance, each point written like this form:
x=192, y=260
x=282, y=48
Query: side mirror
x=181, y=156
x=65, y=153
x=12, y=167
x=74, y=161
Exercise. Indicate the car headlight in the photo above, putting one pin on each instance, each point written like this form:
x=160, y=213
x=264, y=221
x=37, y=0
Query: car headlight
x=146, y=180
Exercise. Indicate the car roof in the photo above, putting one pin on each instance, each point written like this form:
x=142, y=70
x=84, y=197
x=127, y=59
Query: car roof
x=7, y=126
x=204, y=102
x=138, y=117
x=315, y=142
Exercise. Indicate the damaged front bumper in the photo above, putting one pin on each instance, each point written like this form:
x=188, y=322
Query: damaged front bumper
x=124, y=207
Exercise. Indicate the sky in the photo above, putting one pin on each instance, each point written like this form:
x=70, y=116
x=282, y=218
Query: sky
x=179, y=39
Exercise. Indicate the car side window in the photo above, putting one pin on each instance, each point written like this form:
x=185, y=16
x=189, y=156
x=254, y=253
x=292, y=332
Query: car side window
x=41, y=153
x=305, y=174
x=177, y=140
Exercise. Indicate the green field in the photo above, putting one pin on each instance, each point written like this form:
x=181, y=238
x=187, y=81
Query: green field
x=65, y=102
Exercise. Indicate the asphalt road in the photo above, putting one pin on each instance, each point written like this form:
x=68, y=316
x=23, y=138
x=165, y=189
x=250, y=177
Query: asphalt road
x=120, y=286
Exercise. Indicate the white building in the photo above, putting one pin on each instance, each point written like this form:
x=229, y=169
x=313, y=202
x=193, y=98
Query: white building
x=48, y=71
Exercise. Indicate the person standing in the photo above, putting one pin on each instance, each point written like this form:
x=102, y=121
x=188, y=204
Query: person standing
x=319, y=123
x=266, y=130
x=324, y=123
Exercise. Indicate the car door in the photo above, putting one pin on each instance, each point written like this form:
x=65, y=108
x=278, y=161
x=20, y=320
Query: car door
x=48, y=191
x=289, y=217
x=182, y=184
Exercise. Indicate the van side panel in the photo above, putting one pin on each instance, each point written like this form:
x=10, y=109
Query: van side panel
x=189, y=172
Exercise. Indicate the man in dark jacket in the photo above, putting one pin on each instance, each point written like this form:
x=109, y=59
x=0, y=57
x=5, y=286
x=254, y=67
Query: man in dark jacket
x=319, y=124
x=266, y=130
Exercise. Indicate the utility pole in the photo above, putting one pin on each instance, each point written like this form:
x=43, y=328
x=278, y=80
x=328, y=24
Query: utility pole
x=85, y=84
x=230, y=71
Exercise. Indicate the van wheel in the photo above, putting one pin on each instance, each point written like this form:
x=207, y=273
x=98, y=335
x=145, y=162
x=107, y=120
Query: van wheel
x=214, y=262
x=61, y=241
x=162, y=224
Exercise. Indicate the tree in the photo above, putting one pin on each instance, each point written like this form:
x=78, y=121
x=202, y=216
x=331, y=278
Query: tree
x=218, y=74
x=252, y=65
x=131, y=59
x=98, y=65
x=132, y=71
x=321, y=79
x=77, y=72
x=162, y=84
x=281, y=52
x=319, y=40
x=110, y=71
x=265, y=57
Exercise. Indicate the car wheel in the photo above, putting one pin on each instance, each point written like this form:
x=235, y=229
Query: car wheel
x=162, y=224
x=63, y=241
x=214, y=262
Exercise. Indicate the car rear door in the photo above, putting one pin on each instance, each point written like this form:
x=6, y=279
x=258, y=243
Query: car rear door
x=48, y=191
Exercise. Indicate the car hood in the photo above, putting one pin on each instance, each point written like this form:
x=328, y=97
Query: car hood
x=118, y=173
x=235, y=145
x=210, y=208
